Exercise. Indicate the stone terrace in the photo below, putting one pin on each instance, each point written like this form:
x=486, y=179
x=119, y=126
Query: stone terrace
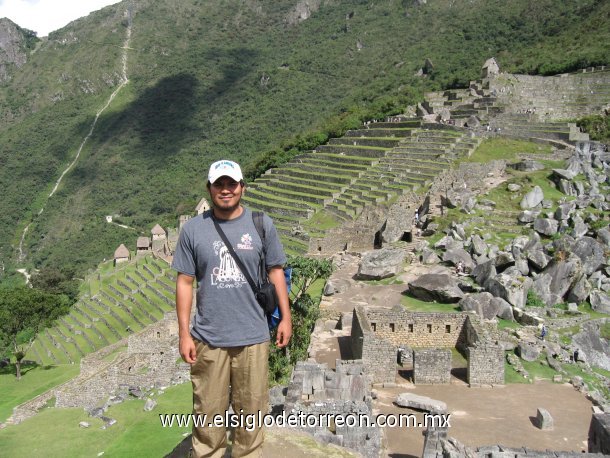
x=134, y=296
x=368, y=166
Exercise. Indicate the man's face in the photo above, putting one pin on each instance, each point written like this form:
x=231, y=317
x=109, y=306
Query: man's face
x=226, y=193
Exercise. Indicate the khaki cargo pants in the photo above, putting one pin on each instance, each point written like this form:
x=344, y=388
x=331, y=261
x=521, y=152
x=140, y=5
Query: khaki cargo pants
x=245, y=370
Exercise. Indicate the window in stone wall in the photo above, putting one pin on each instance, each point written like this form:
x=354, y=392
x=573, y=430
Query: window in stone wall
x=448, y=328
x=374, y=326
x=391, y=327
x=410, y=327
x=429, y=328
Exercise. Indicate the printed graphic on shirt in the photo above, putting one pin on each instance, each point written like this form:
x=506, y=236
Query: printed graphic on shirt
x=227, y=275
x=246, y=242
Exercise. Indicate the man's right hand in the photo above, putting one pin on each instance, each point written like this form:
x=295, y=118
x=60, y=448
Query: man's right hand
x=188, y=351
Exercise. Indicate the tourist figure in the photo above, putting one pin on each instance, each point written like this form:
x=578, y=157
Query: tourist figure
x=228, y=344
x=576, y=355
x=459, y=268
x=543, y=332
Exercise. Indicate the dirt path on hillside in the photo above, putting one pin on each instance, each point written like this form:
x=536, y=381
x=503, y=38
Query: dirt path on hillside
x=124, y=81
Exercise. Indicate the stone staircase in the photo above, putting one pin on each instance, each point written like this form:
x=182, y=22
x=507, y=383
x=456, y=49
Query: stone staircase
x=129, y=299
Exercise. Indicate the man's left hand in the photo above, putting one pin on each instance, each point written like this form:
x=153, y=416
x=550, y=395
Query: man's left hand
x=284, y=332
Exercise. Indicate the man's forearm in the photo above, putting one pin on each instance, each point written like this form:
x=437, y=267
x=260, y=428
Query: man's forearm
x=276, y=276
x=184, y=302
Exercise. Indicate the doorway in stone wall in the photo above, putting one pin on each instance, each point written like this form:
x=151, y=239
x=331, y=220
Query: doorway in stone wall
x=459, y=367
x=378, y=242
x=407, y=237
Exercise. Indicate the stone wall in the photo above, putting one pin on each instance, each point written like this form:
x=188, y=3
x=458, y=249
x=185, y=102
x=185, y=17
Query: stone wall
x=378, y=356
x=357, y=235
x=599, y=433
x=431, y=366
x=558, y=97
x=400, y=216
x=419, y=329
x=150, y=361
x=316, y=390
x=485, y=365
x=378, y=336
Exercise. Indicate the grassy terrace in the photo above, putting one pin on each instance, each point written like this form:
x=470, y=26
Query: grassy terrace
x=109, y=315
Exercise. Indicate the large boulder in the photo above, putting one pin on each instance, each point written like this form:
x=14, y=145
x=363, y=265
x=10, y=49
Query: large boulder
x=538, y=258
x=604, y=236
x=563, y=174
x=415, y=401
x=591, y=253
x=512, y=289
x=579, y=227
x=455, y=255
x=528, y=352
x=579, y=291
x=429, y=256
x=600, y=302
x=478, y=245
x=484, y=272
x=503, y=260
x=557, y=279
x=436, y=287
x=532, y=199
x=546, y=226
x=503, y=309
x=592, y=345
x=479, y=303
x=379, y=264
x=336, y=286
x=564, y=211
x=528, y=216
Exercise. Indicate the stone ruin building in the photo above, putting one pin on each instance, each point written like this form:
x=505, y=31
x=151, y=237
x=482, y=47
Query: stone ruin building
x=315, y=389
x=150, y=361
x=381, y=337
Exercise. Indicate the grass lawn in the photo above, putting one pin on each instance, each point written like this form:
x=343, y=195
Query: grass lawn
x=35, y=380
x=504, y=148
x=536, y=369
x=507, y=324
x=415, y=305
x=136, y=433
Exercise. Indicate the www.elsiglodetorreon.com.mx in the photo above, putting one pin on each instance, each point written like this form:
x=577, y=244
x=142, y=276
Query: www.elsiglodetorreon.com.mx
x=303, y=420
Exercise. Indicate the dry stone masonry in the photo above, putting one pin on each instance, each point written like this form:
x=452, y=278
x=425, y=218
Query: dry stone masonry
x=378, y=335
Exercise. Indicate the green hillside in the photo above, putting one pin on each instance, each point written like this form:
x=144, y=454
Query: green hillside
x=232, y=79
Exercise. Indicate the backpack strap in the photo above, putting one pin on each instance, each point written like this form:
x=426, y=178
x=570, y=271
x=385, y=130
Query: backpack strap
x=257, y=218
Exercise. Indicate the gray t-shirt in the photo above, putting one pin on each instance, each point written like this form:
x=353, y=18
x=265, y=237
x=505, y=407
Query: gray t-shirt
x=228, y=314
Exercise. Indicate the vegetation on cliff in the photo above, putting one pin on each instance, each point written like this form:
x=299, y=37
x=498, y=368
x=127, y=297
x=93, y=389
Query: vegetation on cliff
x=234, y=81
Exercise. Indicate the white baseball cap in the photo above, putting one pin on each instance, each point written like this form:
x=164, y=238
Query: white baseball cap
x=225, y=168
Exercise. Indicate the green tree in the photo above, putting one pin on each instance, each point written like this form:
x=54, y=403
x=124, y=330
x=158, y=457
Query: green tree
x=56, y=281
x=305, y=311
x=23, y=313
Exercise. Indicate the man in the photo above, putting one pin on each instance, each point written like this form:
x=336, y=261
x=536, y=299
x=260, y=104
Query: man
x=228, y=344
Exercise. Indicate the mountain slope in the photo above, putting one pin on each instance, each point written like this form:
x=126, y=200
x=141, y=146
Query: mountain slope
x=230, y=79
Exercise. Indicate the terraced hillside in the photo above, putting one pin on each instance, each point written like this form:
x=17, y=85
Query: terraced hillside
x=124, y=301
x=368, y=166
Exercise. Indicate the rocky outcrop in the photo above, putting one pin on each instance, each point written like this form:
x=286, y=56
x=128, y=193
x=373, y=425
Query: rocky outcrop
x=591, y=344
x=12, y=47
x=379, y=264
x=436, y=287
